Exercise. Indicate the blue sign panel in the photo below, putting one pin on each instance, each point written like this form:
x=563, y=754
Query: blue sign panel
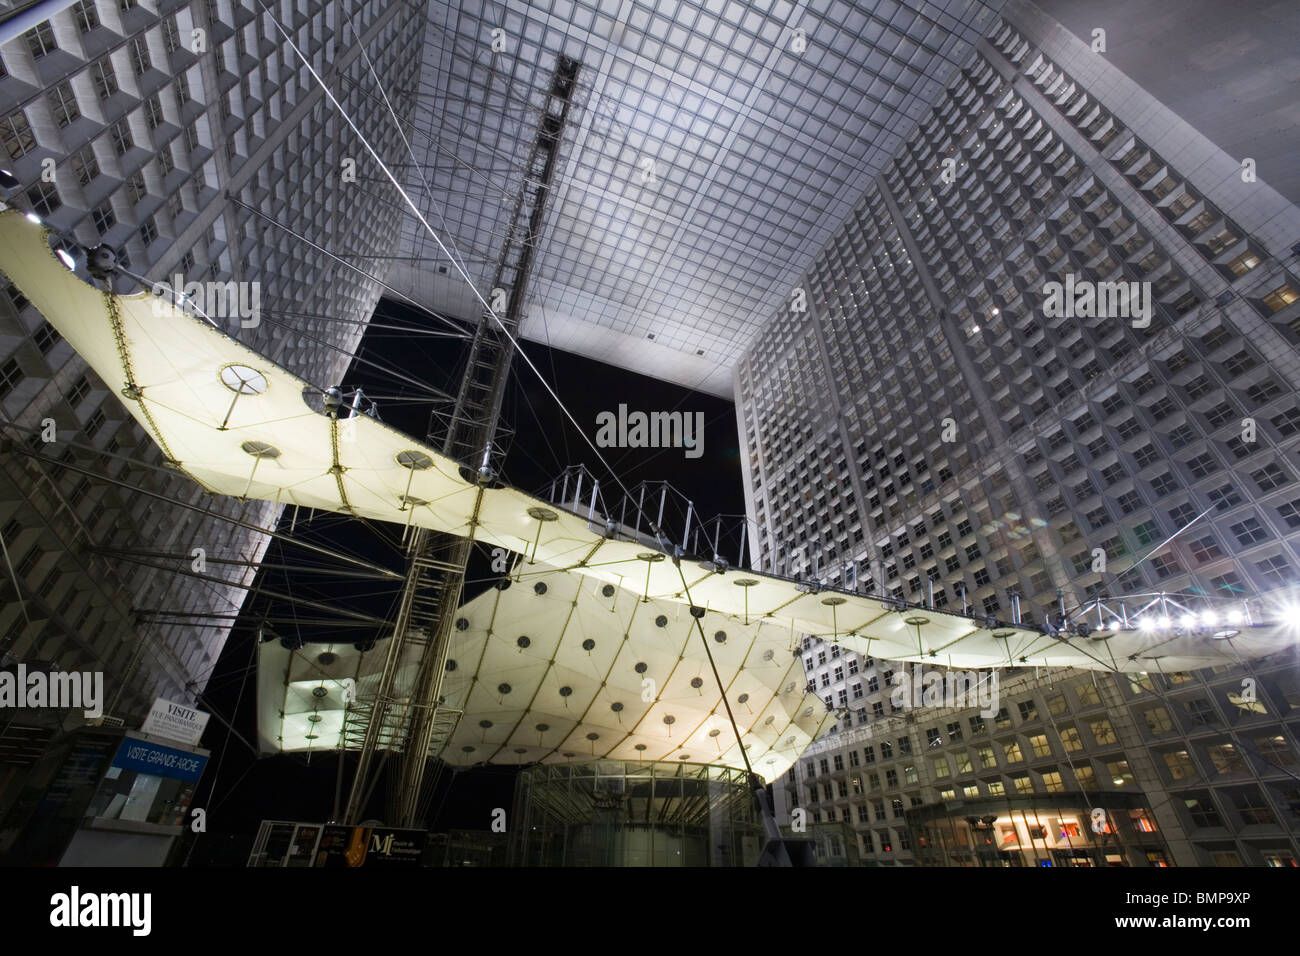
x=160, y=761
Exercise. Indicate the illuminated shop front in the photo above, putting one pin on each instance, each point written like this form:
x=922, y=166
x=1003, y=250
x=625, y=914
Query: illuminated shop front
x=1061, y=829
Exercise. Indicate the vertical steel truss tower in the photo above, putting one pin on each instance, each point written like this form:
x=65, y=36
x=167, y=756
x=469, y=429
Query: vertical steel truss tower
x=411, y=719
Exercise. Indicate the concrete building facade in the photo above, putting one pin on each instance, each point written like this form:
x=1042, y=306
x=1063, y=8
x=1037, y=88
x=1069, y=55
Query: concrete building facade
x=189, y=136
x=918, y=423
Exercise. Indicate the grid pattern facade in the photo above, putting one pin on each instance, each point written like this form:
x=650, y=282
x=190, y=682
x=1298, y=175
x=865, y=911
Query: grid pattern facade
x=1217, y=772
x=923, y=428
x=710, y=157
x=1064, y=435
x=160, y=120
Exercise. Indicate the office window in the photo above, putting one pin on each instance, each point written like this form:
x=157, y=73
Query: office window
x=1052, y=782
x=63, y=104
x=80, y=389
x=84, y=165
x=1274, y=749
x=103, y=78
x=1119, y=773
x=1280, y=298
x=1249, y=531
x=1087, y=695
x=1201, y=711
x=139, y=54
x=1158, y=720
x=1251, y=805
x=1070, y=739
x=153, y=112
x=40, y=39
x=1287, y=423
x=1202, y=811
x=1269, y=477
x=1102, y=732
x=103, y=217
x=1224, y=497
x=135, y=187
x=46, y=337
x=1275, y=570
x=1179, y=764
x=1220, y=414
x=94, y=423
x=86, y=16
x=10, y=376
x=16, y=134
x=119, y=135
x=1040, y=745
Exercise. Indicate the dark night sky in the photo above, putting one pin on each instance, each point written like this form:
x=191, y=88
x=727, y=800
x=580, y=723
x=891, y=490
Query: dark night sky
x=292, y=787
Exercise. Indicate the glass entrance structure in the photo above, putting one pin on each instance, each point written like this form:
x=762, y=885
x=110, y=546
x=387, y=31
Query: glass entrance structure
x=618, y=813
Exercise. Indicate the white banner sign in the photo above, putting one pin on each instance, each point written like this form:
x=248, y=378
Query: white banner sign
x=175, y=721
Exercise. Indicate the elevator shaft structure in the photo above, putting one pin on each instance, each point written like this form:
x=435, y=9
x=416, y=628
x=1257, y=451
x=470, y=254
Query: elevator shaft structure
x=409, y=717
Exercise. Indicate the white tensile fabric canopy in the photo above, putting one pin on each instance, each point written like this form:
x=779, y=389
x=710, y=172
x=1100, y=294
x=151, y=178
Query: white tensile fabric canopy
x=239, y=425
x=560, y=667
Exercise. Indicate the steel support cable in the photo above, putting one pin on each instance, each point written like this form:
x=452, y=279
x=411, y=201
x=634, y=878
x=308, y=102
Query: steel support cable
x=1165, y=700
x=257, y=590
x=488, y=310
x=319, y=248
x=248, y=526
x=740, y=741
x=125, y=596
x=397, y=125
x=130, y=554
x=354, y=354
x=541, y=430
x=413, y=329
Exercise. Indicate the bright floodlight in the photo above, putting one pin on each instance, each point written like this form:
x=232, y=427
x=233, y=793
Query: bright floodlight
x=1114, y=625
x=67, y=259
x=1209, y=618
x=1162, y=620
x=1188, y=621
x=34, y=218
